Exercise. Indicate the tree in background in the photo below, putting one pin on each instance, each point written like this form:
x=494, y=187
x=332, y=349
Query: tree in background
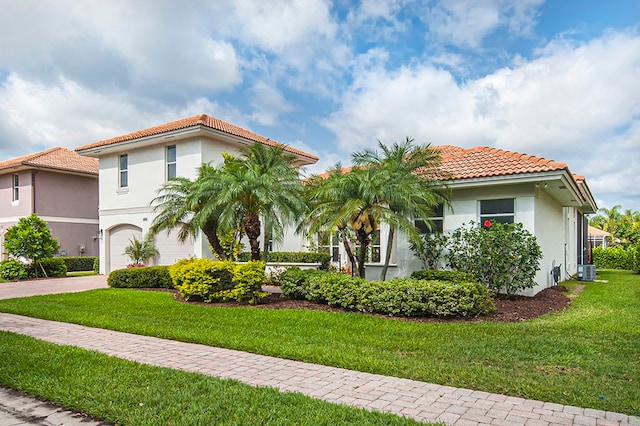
x=623, y=227
x=31, y=239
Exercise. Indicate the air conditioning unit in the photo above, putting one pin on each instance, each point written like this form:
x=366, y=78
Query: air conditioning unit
x=587, y=272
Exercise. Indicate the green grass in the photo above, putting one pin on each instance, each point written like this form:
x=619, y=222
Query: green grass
x=81, y=273
x=585, y=356
x=127, y=393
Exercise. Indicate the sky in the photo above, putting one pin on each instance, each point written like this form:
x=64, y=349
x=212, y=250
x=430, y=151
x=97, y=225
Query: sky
x=558, y=79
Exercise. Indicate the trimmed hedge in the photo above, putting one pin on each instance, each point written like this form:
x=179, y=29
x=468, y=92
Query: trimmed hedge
x=452, y=276
x=218, y=281
x=396, y=297
x=293, y=257
x=53, y=266
x=79, y=263
x=615, y=257
x=147, y=277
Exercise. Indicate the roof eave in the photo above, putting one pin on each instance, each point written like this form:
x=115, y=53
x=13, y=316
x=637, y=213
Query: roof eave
x=176, y=135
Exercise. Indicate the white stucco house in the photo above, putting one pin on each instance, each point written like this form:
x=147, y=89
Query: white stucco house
x=486, y=183
x=493, y=184
x=133, y=166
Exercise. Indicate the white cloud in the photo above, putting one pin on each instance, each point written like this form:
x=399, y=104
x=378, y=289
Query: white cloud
x=568, y=104
x=268, y=103
x=144, y=46
x=465, y=23
x=36, y=116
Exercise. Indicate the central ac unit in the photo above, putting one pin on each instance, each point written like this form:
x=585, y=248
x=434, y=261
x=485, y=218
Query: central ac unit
x=586, y=272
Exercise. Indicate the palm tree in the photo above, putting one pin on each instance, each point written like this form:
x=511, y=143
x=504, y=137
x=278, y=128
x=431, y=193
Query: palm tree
x=407, y=175
x=611, y=220
x=263, y=182
x=326, y=195
x=139, y=251
x=355, y=199
x=179, y=205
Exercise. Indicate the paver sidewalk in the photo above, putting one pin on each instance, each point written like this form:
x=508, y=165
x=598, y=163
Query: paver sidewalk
x=419, y=400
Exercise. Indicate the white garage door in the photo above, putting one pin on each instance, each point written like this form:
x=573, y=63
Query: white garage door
x=118, y=240
x=171, y=250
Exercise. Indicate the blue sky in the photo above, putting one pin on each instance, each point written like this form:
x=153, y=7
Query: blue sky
x=557, y=79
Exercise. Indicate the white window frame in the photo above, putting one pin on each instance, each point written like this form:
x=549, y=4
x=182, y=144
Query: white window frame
x=332, y=248
x=169, y=163
x=15, y=186
x=123, y=172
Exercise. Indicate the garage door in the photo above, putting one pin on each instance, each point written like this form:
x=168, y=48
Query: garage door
x=171, y=250
x=119, y=238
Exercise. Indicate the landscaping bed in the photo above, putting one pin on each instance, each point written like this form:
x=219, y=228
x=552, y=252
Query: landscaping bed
x=516, y=309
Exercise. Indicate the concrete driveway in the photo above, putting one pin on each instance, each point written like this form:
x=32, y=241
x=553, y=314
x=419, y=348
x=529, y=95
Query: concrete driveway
x=51, y=286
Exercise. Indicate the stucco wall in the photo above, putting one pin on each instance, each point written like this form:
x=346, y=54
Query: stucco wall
x=71, y=236
x=65, y=195
x=22, y=207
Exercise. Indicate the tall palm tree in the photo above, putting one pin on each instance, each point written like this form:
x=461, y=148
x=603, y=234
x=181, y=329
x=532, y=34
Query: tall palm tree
x=611, y=221
x=407, y=175
x=179, y=205
x=262, y=182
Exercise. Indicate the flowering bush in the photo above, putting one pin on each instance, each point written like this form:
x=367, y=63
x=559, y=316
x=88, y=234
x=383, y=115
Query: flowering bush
x=135, y=265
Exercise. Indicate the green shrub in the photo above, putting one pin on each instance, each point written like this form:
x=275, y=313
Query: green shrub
x=453, y=276
x=12, y=269
x=637, y=268
x=79, y=263
x=218, y=281
x=147, y=277
x=248, y=278
x=614, y=257
x=96, y=265
x=293, y=257
x=396, y=297
x=503, y=258
x=54, y=267
x=294, y=282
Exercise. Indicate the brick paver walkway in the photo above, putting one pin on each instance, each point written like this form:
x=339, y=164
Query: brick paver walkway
x=419, y=400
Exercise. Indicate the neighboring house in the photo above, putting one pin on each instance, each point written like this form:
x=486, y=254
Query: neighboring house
x=497, y=185
x=134, y=166
x=598, y=237
x=61, y=187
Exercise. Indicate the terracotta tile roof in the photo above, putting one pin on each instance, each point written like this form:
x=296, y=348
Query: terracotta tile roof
x=55, y=158
x=484, y=161
x=595, y=232
x=197, y=120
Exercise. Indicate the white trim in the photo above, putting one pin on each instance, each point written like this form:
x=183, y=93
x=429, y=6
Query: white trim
x=78, y=220
x=126, y=210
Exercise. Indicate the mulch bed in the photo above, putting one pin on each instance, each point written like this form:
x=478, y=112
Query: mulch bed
x=516, y=309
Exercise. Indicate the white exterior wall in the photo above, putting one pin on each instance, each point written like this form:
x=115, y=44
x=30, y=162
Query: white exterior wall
x=537, y=211
x=146, y=173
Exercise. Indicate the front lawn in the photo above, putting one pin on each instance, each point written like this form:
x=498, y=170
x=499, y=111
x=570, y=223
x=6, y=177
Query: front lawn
x=585, y=356
x=127, y=393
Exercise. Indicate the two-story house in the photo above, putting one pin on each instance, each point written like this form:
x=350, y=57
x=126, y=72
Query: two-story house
x=61, y=187
x=134, y=166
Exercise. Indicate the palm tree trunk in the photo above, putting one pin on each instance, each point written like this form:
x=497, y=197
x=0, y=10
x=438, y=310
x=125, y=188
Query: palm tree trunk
x=210, y=230
x=251, y=225
x=347, y=249
x=363, y=239
x=387, y=259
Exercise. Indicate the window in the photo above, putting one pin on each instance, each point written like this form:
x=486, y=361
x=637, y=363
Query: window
x=171, y=162
x=492, y=211
x=124, y=171
x=437, y=222
x=16, y=187
x=330, y=245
